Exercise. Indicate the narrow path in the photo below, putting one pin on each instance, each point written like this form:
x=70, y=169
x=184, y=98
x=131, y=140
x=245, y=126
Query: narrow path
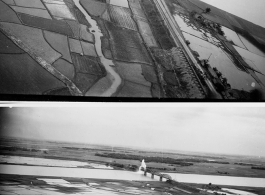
x=108, y=85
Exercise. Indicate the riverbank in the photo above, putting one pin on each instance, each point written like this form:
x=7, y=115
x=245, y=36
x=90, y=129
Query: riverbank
x=201, y=163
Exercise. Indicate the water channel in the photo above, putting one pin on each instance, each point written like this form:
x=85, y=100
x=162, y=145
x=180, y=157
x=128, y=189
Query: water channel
x=108, y=85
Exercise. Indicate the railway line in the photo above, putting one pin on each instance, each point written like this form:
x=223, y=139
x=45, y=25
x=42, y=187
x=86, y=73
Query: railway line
x=180, y=42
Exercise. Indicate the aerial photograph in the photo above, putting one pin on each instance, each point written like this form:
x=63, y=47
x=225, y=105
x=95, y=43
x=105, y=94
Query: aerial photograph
x=132, y=149
x=157, y=49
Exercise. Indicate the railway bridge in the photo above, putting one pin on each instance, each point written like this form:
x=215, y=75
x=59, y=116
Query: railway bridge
x=154, y=172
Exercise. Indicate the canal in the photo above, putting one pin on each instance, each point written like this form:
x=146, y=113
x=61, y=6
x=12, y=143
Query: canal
x=108, y=85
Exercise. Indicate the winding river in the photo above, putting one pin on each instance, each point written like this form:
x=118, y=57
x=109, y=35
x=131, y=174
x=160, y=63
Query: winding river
x=108, y=85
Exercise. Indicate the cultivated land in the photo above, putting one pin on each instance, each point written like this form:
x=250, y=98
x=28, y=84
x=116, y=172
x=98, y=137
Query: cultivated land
x=48, y=48
x=121, y=158
x=58, y=186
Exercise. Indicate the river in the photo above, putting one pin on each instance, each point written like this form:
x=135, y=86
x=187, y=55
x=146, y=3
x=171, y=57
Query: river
x=219, y=180
x=108, y=85
x=127, y=175
x=72, y=172
x=49, y=162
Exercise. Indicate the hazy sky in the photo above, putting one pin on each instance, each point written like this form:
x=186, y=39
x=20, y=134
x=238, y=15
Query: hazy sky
x=251, y=10
x=209, y=129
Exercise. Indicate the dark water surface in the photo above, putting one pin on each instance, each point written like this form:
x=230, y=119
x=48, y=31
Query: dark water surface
x=208, y=46
x=127, y=175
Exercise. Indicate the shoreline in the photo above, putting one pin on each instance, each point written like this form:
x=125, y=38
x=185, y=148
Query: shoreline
x=125, y=166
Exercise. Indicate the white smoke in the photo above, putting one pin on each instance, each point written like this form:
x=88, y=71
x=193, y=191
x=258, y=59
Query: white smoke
x=143, y=165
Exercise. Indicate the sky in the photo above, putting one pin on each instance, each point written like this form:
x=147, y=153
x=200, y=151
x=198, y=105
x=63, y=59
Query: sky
x=228, y=130
x=251, y=10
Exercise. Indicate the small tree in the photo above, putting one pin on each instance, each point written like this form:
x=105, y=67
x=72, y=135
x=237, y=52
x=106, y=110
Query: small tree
x=207, y=10
x=224, y=80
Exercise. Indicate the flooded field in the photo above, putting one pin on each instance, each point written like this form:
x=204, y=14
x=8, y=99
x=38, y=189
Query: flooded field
x=254, y=60
x=182, y=22
x=208, y=46
x=252, y=48
x=234, y=37
x=222, y=61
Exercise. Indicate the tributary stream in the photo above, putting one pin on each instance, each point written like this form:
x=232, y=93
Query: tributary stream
x=108, y=85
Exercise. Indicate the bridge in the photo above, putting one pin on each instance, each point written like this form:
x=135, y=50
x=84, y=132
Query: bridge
x=154, y=172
